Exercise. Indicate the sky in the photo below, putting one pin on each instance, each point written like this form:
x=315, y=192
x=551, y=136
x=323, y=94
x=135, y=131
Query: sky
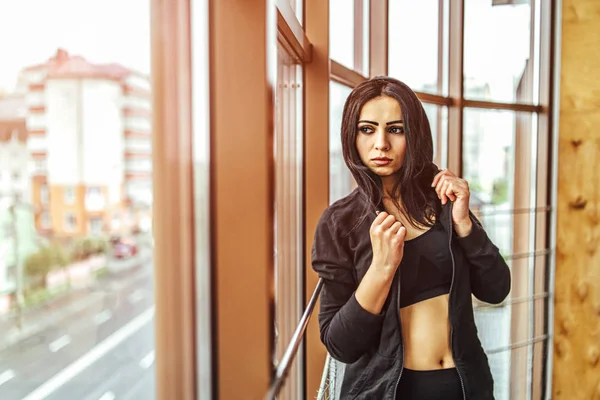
x=101, y=31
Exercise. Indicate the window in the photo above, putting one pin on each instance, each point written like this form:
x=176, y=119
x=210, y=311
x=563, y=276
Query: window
x=87, y=345
x=497, y=144
x=415, y=62
x=340, y=178
x=96, y=225
x=44, y=195
x=341, y=32
x=496, y=59
x=69, y=195
x=288, y=211
x=70, y=222
x=496, y=151
x=94, y=198
x=349, y=34
x=45, y=220
x=39, y=167
x=438, y=122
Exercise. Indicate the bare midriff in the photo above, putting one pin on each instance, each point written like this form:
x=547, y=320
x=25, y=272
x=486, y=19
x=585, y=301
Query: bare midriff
x=426, y=335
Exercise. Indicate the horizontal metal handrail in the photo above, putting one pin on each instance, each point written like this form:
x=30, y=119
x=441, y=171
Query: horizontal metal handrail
x=285, y=364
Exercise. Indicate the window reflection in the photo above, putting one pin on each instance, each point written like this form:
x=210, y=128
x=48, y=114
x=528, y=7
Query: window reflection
x=76, y=290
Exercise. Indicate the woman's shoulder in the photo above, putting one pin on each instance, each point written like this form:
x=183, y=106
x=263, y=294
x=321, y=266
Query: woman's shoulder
x=344, y=214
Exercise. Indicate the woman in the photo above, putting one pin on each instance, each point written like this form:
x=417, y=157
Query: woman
x=400, y=257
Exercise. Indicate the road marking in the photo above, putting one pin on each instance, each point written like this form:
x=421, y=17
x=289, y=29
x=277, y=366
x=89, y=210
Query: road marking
x=147, y=361
x=6, y=376
x=102, y=317
x=136, y=296
x=52, y=384
x=59, y=343
x=108, y=396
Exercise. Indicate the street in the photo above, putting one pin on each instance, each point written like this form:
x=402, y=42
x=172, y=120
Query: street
x=103, y=349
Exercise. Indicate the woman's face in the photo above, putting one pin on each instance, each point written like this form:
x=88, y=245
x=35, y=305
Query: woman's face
x=380, y=141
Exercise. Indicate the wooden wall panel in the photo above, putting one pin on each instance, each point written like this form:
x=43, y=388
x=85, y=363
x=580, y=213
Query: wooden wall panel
x=576, y=371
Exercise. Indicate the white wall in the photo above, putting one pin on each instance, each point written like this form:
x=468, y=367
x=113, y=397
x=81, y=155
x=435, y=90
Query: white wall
x=85, y=134
x=103, y=136
x=63, y=110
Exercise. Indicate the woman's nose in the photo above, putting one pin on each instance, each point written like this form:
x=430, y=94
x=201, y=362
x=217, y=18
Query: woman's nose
x=381, y=143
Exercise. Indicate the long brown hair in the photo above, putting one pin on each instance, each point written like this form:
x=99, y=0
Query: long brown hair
x=412, y=185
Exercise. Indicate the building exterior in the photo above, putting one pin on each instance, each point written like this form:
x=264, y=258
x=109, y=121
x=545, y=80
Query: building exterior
x=88, y=135
x=17, y=233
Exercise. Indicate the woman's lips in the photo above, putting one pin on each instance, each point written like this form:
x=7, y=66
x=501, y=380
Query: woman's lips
x=382, y=161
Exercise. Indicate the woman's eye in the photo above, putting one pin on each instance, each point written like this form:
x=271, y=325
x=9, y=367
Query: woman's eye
x=365, y=129
x=397, y=129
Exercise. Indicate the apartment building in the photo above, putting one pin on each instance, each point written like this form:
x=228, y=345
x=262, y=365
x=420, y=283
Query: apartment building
x=89, y=137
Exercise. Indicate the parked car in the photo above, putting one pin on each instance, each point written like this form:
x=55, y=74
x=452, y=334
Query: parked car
x=123, y=248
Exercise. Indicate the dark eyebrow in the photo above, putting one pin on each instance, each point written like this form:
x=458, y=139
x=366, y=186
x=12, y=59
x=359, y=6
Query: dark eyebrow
x=369, y=122
x=399, y=121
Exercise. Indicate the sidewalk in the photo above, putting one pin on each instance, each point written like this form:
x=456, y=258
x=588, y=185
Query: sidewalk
x=39, y=318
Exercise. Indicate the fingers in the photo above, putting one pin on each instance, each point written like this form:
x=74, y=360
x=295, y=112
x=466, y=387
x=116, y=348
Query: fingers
x=396, y=227
x=450, y=192
x=385, y=222
x=441, y=189
x=388, y=222
x=440, y=175
x=401, y=234
x=450, y=187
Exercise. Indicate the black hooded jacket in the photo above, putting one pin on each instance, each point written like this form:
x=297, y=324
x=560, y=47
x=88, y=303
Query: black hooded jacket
x=371, y=345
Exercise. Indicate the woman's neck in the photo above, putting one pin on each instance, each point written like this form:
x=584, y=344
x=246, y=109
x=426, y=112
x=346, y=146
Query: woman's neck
x=387, y=183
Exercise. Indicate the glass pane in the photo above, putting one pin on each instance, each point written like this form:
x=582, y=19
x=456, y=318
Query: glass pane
x=365, y=37
x=297, y=6
x=288, y=213
x=493, y=326
x=438, y=121
x=497, y=63
x=408, y=18
x=340, y=178
x=501, y=328
x=341, y=32
x=507, y=387
x=488, y=166
x=76, y=284
x=200, y=104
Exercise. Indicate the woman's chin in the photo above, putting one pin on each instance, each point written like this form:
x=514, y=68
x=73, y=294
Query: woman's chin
x=384, y=171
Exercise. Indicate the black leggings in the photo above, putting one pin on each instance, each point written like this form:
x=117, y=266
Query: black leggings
x=438, y=384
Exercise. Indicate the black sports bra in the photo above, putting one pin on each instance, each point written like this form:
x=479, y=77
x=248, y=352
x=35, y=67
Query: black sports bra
x=426, y=268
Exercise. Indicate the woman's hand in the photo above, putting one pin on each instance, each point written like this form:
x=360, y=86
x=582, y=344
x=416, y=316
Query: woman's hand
x=387, y=240
x=450, y=187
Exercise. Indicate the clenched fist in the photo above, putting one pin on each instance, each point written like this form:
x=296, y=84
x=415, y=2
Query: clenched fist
x=387, y=240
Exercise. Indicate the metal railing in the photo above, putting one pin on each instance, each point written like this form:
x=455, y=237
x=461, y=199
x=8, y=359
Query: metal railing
x=285, y=364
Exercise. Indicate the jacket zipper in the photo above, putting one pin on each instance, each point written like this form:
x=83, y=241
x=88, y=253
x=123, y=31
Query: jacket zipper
x=401, y=339
x=462, y=385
